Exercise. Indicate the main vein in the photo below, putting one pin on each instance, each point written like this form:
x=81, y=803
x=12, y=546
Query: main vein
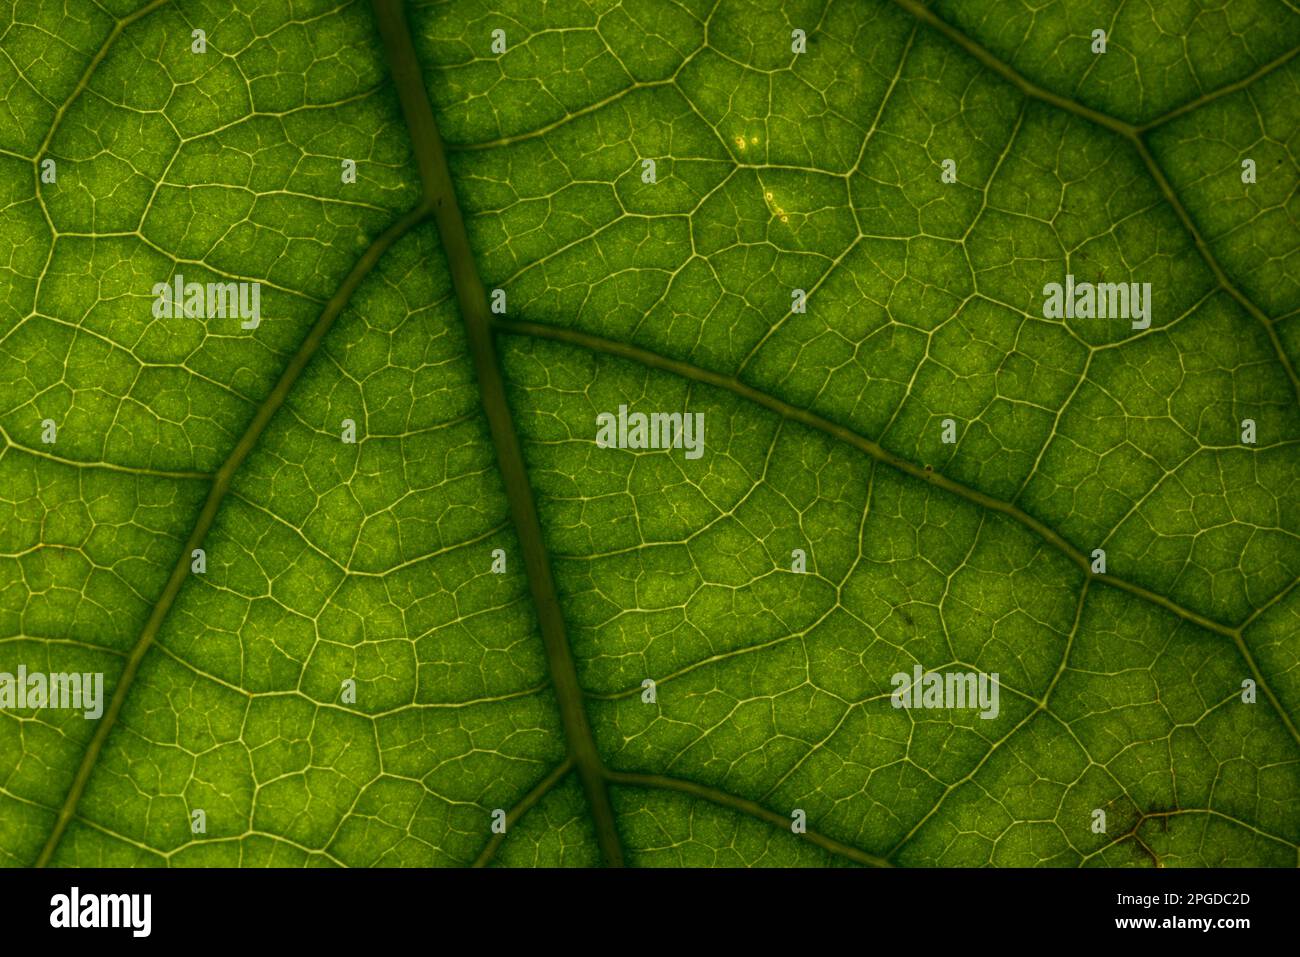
x=441, y=198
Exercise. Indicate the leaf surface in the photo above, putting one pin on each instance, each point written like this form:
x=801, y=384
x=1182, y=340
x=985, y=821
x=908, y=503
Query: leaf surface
x=521, y=694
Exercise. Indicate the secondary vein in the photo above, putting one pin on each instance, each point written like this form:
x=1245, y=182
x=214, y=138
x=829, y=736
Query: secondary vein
x=744, y=806
x=220, y=486
x=874, y=449
x=1134, y=135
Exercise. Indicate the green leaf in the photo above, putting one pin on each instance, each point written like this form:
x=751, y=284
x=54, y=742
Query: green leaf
x=354, y=679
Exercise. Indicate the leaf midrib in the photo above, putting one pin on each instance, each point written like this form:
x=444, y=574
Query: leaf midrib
x=440, y=196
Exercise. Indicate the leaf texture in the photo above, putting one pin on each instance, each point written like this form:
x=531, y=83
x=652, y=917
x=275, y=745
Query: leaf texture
x=517, y=697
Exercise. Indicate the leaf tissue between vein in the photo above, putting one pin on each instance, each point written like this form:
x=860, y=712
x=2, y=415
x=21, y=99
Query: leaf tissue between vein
x=658, y=430
x=1106, y=300
x=214, y=300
